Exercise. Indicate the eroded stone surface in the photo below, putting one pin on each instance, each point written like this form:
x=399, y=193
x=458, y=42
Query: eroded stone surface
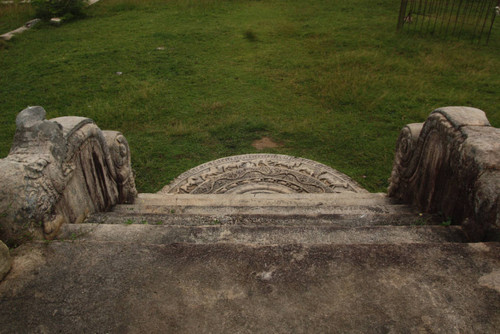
x=451, y=164
x=261, y=173
x=97, y=287
x=491, y=280
x=5, y=260
x=58, y=171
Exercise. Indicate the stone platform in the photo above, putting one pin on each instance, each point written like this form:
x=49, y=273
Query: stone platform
x=135, y=287
x=255, y=263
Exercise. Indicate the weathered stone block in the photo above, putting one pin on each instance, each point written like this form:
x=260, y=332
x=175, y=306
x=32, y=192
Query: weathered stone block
x=451, y=164
x=58, y=171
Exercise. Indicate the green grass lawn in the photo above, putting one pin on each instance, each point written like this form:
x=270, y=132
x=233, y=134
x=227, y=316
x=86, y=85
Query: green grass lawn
x=13, y=15
x=330, y=80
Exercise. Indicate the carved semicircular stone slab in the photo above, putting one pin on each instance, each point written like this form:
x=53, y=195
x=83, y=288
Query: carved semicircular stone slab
x=261, y=173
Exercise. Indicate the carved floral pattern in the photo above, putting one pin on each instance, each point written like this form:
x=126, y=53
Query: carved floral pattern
x=256, y=173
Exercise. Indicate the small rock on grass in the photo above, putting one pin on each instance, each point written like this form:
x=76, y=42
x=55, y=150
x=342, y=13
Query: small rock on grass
x=56, y=21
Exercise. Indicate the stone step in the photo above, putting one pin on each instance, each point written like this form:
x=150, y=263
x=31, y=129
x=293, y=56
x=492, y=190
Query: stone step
x=106, y=287
x=261, y=235
x=313, y=205
x=274, y=200
x=345, y=219
x=222, y=210
x=344, y=209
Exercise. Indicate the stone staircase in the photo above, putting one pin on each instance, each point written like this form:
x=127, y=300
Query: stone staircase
x=250, y=244
x=264, y=219
x=255, y=263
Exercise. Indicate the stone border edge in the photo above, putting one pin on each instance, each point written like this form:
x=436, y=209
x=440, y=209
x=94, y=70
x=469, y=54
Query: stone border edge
x=31, y=23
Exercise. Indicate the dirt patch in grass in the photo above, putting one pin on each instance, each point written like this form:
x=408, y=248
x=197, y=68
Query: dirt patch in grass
x=265, y=142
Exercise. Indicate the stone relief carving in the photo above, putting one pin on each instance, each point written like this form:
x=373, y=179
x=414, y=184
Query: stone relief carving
x=261, y=173
x=451, y=164
x=58, y=171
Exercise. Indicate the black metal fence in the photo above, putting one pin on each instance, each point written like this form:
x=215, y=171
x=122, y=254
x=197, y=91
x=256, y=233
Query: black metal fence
x=469, y=19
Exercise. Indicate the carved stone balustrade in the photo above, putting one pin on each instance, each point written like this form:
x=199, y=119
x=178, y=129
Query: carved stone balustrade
x=58, y=171
x=451, y=164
